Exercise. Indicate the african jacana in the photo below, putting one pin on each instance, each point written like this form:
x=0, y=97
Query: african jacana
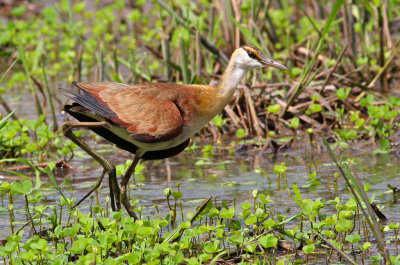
x=152, y=120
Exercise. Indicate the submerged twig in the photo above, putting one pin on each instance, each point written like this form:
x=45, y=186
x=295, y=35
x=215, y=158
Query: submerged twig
x=59, y=163
x=344, y=255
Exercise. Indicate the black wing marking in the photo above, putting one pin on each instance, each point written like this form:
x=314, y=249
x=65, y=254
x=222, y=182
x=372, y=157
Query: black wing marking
x=88, y=101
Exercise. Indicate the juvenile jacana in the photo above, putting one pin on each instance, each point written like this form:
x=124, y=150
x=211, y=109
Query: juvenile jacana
x=152, y=120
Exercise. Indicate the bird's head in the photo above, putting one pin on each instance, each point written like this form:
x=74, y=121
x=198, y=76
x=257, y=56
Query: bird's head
x=249, y=57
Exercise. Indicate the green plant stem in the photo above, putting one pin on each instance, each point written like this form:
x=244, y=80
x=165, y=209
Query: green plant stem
x=2, y=101
x=167, y=57
x=184, y=63
x=29, y=214
x=393, y=53
x=221, y=57
x=371, y=220
x=22, y=56
x=178, y=231
x=50, y=98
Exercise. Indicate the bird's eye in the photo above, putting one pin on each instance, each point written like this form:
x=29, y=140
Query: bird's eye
x=251, y=55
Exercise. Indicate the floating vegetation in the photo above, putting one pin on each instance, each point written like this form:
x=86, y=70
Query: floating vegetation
x=252, y=232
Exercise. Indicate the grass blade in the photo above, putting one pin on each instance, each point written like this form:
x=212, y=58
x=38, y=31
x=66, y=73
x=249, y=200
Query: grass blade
x=38, y=182
x=318, y=50
x=50, y=98
x=2, y=101
x=22, y=56
x=136, y=68
x=8, y=69
x=184, y=62
x=246, y=33
x=49, y=172
x=4, y=121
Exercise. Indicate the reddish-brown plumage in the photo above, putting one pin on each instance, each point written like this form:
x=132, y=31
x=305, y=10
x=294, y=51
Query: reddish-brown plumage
x=153, y=112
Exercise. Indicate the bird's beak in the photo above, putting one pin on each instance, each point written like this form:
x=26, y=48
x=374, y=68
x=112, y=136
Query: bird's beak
x=272, y=63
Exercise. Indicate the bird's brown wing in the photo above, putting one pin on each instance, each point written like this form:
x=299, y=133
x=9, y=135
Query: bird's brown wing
x=149, y=111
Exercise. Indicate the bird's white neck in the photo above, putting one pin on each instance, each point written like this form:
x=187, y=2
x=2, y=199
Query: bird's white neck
x=230, y=80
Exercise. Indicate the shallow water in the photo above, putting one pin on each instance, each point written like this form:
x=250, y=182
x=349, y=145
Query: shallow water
x=226, y=177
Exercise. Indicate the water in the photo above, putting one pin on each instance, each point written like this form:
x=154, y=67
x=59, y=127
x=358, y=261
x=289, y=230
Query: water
x=226, y=177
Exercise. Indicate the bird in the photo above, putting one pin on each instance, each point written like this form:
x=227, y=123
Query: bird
x=152, y=120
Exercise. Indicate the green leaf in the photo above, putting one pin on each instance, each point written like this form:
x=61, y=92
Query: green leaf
x=268, y=241
x=315, y=107
x=213, y=212
x=22, y=187
x=368, y=6
x=205, y=257
x=30, y=147
x=295, y=71
x=4, y=121
x=177, y=194
x=185, y=225
x=227, y=213
x=79, y=7
x=280, y=169
x=350, y=134
x=218, y=121
x=366, y=101
x=18, y=11
x=274, y=108
x=384, y=143
x=246, y=32
x=246, y=205
x=360, y=123
x=252, y=219
x=10, y=247
x=298, y=199
x=26, y=256
x=355, y=238
x=144, y=231
x=308, y=249
x=193, y=261
x=40, y=244
x=294, y=123
x=240, y=133
x=343, y=93
x=365, y=246
x=79, y=245
x=328, y=233
x=210, y=247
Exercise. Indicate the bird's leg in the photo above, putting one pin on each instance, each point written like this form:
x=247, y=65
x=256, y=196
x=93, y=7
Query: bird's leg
x=124, y=183
x=107, y=166
x=92, y=189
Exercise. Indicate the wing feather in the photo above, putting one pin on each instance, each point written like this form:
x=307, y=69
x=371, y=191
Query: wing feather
x=150, y=111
